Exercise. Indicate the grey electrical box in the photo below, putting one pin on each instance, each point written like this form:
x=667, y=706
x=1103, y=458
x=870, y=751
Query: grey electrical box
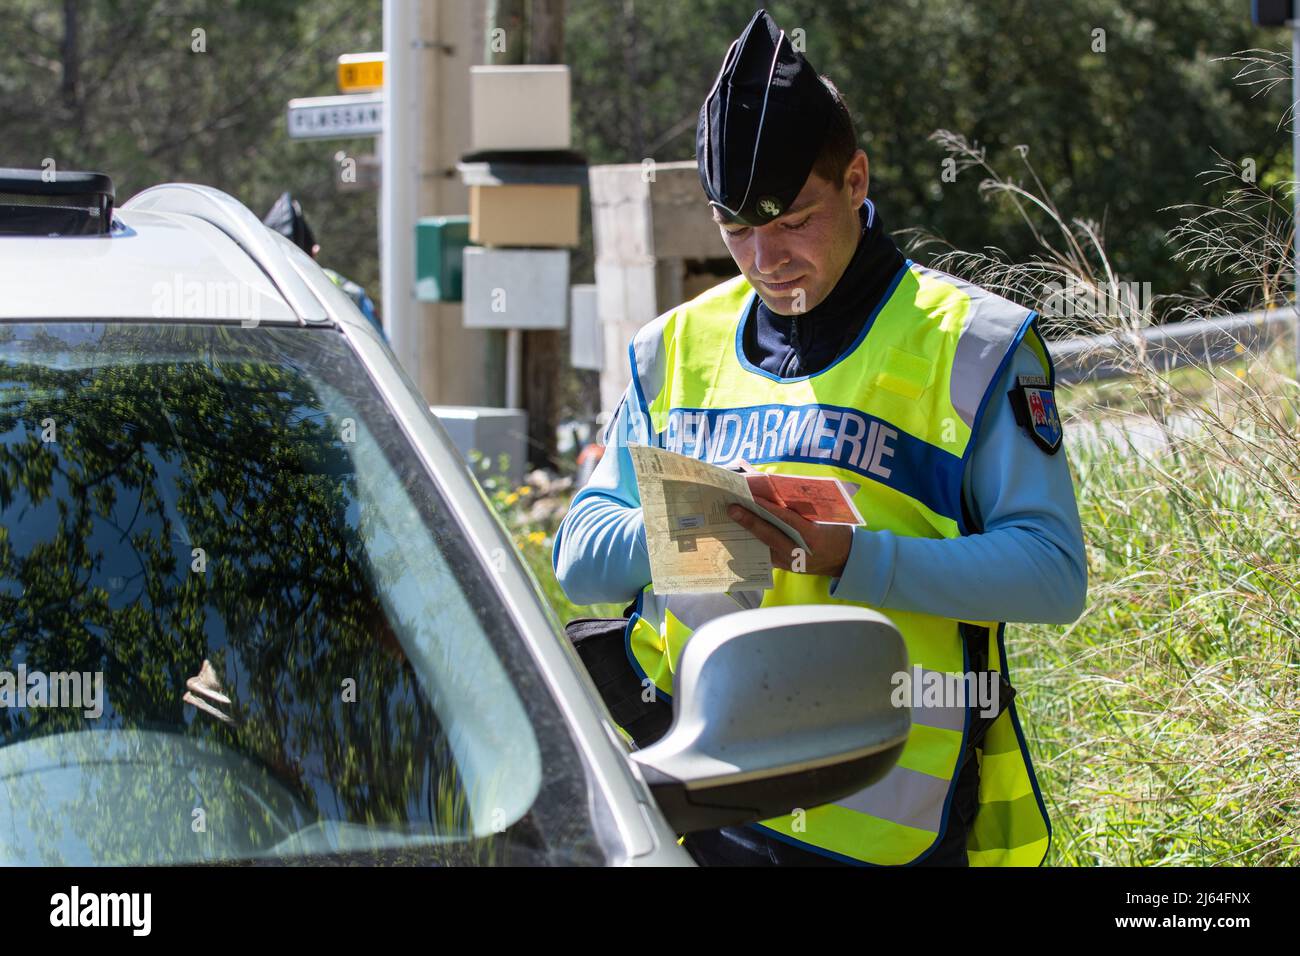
x=496, y=434
x=516, y=288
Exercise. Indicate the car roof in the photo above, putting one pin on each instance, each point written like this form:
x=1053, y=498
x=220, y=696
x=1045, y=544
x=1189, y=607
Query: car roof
x=162, y=265
x=177, y=252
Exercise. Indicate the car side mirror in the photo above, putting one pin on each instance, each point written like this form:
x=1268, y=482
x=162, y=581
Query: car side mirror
x=778, y=708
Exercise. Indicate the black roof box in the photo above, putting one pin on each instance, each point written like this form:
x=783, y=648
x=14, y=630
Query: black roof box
x=35, y=202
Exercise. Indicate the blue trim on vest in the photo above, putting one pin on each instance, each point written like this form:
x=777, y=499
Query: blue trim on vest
x=917, y=469
x=627, y=647
x=871, y=319
x=640, y=394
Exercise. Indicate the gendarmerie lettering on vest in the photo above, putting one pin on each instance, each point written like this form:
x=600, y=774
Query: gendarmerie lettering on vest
x=845, y=437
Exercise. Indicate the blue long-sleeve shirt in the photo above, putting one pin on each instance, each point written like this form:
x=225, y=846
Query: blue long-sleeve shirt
x=1028, y=564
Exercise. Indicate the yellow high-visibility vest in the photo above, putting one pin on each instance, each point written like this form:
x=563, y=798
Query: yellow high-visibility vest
x=896, y=415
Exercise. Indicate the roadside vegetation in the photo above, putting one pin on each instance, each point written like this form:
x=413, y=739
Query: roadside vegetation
x=1164, y=721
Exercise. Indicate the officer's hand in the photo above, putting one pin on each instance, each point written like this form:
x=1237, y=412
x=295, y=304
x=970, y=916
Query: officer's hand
x=828, y=544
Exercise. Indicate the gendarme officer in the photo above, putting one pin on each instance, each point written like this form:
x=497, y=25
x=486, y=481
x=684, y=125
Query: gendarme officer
x=833, y=355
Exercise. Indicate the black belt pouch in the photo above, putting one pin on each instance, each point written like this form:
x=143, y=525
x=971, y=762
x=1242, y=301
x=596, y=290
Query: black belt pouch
x=599, y=643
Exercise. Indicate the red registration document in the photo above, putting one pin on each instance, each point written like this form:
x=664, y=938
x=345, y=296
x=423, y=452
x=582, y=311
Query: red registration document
x=817, y=499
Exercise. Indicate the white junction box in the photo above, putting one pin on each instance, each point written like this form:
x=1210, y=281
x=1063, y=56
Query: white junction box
x=519, y=107
x=493, y=432
x=515, y=288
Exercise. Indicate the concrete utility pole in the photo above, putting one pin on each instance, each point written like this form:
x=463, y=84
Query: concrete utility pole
x=431, y=45
x=399, y=189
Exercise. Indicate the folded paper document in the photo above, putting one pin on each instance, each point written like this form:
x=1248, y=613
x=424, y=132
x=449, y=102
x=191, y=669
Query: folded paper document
x=694, y=546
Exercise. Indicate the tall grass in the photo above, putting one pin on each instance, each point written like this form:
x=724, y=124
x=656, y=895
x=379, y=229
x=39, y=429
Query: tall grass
x=1165, y=722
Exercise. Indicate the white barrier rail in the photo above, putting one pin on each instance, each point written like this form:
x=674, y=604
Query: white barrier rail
x=1089, y=358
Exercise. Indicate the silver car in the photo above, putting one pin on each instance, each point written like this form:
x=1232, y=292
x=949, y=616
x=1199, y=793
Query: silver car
x=254, y=606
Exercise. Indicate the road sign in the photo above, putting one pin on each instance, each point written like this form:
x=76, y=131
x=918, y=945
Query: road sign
x=361, y=72
x=336, y=117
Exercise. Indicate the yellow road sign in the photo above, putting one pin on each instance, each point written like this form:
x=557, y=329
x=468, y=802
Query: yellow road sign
x=361, y=72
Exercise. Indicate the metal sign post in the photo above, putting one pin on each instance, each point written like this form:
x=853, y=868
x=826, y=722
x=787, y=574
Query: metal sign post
x=399, y=190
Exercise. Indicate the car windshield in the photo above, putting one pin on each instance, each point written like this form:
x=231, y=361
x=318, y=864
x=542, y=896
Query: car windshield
x=238, y=620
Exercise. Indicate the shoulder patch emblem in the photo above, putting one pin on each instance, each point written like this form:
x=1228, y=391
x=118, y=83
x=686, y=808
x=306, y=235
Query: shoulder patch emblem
x=1034, y=404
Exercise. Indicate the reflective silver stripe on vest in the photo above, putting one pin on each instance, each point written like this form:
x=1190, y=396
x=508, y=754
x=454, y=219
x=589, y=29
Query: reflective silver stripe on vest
x=945, y=718
x=695, y=610
x=910, y=797
x=991, y=324
x=648, y=352
x=903, y=796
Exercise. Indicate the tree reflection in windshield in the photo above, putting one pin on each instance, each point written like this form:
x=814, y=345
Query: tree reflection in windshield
x=179, y=494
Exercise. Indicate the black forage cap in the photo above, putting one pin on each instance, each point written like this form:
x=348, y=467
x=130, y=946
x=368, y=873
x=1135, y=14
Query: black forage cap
x=761, y=126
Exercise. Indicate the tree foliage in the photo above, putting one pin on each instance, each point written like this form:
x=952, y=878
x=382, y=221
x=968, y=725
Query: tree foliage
x=118, y=86
x=1118, y=123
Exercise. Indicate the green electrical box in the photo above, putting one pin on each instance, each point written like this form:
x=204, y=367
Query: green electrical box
x=439, y=243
